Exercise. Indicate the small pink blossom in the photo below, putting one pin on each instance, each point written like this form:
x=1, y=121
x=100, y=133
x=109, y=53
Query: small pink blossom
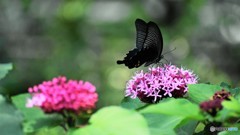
x=160, y=82
x=59, y=94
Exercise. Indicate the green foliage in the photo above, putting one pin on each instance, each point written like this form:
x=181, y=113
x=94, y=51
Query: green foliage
x=76, y=35
x=11, y=119
x=130, y=103
x=4, y=69
x=73, y=10
x=231, y=110
x=182, y=116
x=186, y=127
x=234, y=91
x=161, y=123
x=169, y=116
x=230, y=133
x=176, y=107
x=115, y=121
x=49, y=131
x=202, y=92
x=35, y=118
x=232, y=105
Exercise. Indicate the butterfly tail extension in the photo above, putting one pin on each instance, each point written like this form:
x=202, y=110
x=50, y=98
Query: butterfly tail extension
x=127, y=59
x=120, y=62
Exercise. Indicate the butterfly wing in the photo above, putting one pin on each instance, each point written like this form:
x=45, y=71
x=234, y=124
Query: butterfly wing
x=135, y=58
x=153, y=42
x=141, y=28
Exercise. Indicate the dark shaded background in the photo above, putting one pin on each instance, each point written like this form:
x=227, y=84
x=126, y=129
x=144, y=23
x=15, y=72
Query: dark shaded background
x=82, y=39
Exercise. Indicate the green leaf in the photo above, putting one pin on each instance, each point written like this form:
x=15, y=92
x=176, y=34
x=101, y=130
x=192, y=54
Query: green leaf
x=11, y=119
x=232, y=105
x=199, y=133
x=187, y=127
x=231, y=110
x=176, y=107
x=115, y=121
x=162, y=124
x=130, y=103
x=34, y=117
x=89, y=130
x=50, y=131
x=200, y=128
x=230, y=132
x=4, y=69
x=234, y=91
x=225, y=85
x=202, y=92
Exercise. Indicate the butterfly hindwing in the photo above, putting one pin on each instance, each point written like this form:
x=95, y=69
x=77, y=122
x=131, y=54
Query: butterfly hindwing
x=135, y=58
x=152, y=54
x=154, y=38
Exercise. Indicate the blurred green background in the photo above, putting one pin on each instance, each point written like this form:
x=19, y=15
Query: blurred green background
x=83, y=39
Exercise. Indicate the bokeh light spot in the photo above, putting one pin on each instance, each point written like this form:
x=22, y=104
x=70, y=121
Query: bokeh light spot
x=117, y=78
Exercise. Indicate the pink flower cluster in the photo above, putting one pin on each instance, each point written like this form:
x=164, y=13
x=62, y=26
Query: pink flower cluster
x=160, y=82
x=59, y=94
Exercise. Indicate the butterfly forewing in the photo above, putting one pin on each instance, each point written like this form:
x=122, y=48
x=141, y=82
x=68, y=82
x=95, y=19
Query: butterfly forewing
x=141, y=28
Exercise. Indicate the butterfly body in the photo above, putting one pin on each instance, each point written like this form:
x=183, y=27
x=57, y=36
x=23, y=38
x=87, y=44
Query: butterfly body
x=149, y=45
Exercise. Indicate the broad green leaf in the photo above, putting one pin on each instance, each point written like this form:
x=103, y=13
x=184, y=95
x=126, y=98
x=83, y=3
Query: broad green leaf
x=115, y=121
x=11, y=119
x=130, y=103
x=176, y=107
x=202, y=92
x=29, y=113
x=34, y=118
x=161, y=124
x=4, y=69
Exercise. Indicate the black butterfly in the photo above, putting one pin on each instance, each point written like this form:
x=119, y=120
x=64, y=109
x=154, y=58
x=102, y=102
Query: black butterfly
x=149, y=45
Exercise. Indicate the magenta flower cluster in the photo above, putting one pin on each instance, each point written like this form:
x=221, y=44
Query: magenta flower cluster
x=160, y=82
x=61, y=94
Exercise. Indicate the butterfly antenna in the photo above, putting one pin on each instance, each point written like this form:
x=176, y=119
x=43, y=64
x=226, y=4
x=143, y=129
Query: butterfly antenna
x=170, y=51
x=166, y=60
